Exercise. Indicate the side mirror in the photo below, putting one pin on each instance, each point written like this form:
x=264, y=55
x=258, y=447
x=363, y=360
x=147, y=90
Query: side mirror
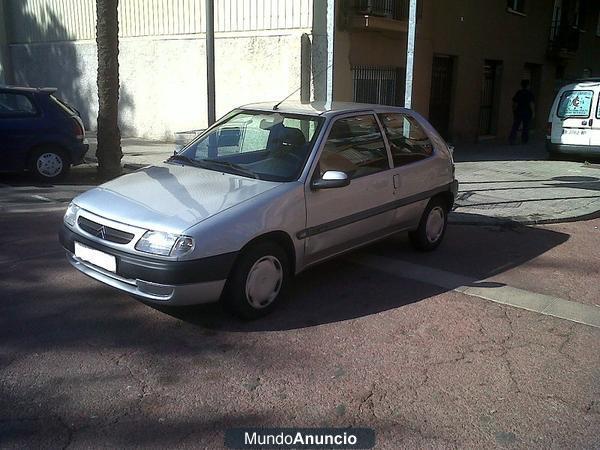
x=331, y=179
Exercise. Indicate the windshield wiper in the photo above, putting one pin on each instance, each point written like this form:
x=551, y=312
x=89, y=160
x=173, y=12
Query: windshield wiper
x=232, y=166
x=184, y=159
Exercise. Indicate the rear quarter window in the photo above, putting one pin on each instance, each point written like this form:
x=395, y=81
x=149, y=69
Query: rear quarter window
x=16, y=105
x=575, y=104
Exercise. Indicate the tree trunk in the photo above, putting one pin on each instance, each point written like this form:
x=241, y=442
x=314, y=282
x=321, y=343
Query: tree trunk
x=109, y=152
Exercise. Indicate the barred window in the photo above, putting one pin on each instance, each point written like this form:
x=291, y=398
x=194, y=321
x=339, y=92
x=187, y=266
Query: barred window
x=382, y=85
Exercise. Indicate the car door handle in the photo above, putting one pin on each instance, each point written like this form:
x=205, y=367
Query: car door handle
x=396, y=179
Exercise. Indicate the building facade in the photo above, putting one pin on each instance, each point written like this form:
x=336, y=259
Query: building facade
x=162, y=57
x=470, y=57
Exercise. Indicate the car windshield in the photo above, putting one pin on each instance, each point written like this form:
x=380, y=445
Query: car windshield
x=270, y=146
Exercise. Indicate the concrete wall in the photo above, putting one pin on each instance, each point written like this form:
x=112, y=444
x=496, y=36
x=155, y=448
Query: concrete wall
x=162, y=57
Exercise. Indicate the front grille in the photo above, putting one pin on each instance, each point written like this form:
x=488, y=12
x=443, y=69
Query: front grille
x=104, y=232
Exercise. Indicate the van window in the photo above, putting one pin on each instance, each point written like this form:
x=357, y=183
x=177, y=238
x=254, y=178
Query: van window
x=575, y=104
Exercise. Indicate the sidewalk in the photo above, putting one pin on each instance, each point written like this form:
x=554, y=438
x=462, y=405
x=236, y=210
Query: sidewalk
x=137, y=152
x=502, y=183
x=498, y=183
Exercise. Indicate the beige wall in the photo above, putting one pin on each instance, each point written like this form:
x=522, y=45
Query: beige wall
x=471, y=31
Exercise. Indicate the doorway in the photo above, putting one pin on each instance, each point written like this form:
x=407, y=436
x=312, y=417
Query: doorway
x=533, y=73
x=440, y=99
x=490, y=93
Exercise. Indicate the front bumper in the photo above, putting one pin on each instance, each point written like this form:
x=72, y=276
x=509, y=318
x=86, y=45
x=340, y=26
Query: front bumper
x=153, y=280
x=583, y=150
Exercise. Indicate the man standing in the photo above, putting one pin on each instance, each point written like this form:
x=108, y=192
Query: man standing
x=523, y=102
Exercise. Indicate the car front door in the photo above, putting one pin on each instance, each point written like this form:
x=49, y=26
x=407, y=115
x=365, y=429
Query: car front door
x=344, y=217
x=416, y=173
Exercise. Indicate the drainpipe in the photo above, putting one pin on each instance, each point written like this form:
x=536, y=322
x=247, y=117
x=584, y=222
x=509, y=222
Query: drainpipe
x=6, y=74
x=330, y=42
x=210, y=61
x=305, y=68
x=410, y=53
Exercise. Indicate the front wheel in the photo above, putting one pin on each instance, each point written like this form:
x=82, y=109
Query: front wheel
x=49, y=164
x=432, y=226
x=258, y=281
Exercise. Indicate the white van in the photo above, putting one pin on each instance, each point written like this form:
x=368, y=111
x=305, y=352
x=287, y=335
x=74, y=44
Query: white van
x=574, y=121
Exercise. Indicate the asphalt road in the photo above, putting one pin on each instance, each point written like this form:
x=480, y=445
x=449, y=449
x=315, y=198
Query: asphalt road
x=421, y=359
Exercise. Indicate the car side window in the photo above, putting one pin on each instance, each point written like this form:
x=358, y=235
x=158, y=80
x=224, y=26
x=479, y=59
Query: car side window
x=408, y=141
x=15, y=105
x=354, y=146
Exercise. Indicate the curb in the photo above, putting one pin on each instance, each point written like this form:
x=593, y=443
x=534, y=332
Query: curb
x=130, y=166
x=511, y=222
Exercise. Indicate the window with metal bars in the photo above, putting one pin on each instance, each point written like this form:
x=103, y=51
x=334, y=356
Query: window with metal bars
x=382, y=85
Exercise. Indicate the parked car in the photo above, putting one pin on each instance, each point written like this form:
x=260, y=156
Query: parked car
x=260, y=196
x=574, y=120
x=39, y=132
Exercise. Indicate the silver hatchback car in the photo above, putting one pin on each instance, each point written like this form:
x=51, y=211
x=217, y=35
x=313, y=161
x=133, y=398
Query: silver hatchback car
x=266, y=192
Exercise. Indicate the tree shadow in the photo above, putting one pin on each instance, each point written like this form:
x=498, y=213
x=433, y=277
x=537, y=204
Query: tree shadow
x=49, y=57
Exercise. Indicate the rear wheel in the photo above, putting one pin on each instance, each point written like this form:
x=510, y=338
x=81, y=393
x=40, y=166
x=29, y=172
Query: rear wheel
x=49, y=164
x=432, y=226
x=258, y=281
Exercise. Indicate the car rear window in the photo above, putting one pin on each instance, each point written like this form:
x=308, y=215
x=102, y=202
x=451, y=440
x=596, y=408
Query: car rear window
x=575, y=104
x=64, y=106
x=12, y=104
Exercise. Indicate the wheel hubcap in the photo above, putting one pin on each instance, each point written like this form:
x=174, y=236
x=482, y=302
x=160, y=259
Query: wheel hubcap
x=435, y=224
x=49, y=164
x=264, y=282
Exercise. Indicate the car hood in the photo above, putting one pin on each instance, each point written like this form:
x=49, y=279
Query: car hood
x=170, y=197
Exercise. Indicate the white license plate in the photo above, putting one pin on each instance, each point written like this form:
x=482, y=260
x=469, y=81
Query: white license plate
x=96, y=257
x=575, y=131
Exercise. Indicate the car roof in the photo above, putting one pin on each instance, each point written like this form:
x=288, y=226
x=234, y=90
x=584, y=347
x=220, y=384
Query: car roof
x=586, y=83
x=25, y=89
x=321, y=108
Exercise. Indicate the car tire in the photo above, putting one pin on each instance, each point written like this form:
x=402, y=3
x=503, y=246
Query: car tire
x=49, y=164
x=258, y=281
x=432, y=226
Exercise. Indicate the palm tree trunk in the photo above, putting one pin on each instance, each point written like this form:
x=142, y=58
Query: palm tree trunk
x=108, y=152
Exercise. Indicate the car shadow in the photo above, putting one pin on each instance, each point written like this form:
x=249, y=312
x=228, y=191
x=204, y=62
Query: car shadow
x=344, y=288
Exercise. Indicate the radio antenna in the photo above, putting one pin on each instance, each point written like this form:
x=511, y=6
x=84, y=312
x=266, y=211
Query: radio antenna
x=300, y=87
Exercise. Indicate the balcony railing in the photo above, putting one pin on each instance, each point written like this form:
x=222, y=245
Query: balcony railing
x=392, y=9
x=564, y=39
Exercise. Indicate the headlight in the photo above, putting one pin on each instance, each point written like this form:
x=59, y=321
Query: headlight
x=71, y=214
x=165, y=244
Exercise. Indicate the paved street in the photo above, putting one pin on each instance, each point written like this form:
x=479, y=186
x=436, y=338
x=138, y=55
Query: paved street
x=491, y=341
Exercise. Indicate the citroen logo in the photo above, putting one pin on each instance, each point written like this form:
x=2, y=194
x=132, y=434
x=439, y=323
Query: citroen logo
x=101, y=233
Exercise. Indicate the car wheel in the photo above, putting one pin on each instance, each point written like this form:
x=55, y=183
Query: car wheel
x=432, y=226
x=258, y=281
x=49, y=164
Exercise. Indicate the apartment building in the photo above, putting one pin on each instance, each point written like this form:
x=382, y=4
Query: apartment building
x=470, y=57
